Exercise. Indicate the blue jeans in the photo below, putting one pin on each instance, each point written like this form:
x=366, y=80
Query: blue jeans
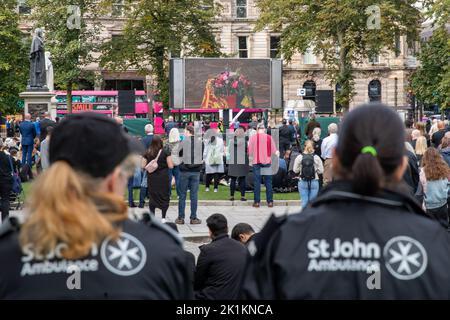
x=257, y=189
x=130, y=191
x=175, y=172
x=308, y=193
x=142, y=195
x=27, y=151
x=188, y=180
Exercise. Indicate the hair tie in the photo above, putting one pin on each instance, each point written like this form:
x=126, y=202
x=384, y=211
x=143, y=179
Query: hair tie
x=369, y=149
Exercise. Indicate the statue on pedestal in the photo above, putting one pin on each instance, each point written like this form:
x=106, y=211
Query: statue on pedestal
x=37, y=80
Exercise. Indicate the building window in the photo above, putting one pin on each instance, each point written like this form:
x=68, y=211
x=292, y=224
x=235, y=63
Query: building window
x=310, y=87
x=117, y=84
x=374, y=59
x=118, y=8
x=374, y=90
x=274, y=46
x=241, y=9
x=242, y=47
x=309, y=57
x=23, y=7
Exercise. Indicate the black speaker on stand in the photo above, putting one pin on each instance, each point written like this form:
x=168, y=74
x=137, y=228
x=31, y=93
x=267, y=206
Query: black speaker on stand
x=324, y=101
x=127, y=102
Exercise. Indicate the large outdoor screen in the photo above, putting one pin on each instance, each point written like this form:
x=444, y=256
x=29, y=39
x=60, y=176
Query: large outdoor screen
x=227, y=83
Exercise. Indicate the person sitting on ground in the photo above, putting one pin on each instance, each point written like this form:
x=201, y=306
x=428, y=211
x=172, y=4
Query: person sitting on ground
x=220, y=264
x=243, y=232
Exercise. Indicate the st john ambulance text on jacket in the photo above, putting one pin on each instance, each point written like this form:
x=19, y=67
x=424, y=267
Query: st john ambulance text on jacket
x=219, y=310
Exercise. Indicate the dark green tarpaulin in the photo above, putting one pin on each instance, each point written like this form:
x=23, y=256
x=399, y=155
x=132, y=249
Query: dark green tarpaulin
x=136, y=126
x=324, y=123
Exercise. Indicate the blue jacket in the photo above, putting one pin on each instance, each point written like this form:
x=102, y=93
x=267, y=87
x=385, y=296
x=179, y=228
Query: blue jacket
x=147, y=141
x=28, y=132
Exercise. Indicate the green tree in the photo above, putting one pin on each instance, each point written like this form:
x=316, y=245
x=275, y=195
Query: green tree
x=342, y=32
x=13, y=57
x=159, y=29
x=71, y=35
x=431, y=81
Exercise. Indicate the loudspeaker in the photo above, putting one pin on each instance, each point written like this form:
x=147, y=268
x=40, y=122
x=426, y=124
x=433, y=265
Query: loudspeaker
x=176, y=80
x=324, y=101
x=276, y=96
x=127, y=102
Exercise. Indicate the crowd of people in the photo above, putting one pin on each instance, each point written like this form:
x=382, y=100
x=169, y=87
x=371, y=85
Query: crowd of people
x=366, y=217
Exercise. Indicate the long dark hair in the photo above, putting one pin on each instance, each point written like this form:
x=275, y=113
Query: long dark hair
x=374, y=125
x=155, y=146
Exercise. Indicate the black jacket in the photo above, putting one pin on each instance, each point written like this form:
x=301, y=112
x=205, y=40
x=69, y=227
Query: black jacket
x=154, y=267
x=411, y=175
x=285, y=134
x=219, y=271
x=436, y=138
x=44, y=124
x=326, y=251
x=5, y=167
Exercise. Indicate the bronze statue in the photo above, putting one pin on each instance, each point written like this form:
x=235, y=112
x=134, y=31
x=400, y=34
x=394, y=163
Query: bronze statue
x=37, y=63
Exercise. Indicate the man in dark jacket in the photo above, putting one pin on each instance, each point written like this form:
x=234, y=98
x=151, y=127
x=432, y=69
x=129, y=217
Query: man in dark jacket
x=286, y=138
x=170, y=125
x=5, y=181
x=191, y=153
x=28, y=132
x=44, y=124
x=220, y=264
x=438, y=135
x=147, y=140
x=411, y=175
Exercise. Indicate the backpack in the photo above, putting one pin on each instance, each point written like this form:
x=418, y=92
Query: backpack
x=153, y=165
x=308, y=172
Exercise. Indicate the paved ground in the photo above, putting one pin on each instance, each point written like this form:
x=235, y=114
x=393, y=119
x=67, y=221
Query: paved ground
x=196, y=235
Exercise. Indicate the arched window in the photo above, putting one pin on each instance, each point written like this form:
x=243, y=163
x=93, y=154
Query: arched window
x=374, y=90
x=310, y=87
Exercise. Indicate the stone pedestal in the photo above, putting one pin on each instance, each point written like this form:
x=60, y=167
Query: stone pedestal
x=37, y=102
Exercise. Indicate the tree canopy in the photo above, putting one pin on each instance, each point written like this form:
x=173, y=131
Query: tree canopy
x=343, y=33
x=13, y=58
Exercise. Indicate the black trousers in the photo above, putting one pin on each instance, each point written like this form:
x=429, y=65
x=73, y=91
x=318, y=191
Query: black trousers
x=153, y=208
x=210, y=177
x=5, y=192
x=241, y=181
x=284, y=146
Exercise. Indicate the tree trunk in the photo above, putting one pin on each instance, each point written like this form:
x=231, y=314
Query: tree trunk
x=69, y=96
x=345, y=75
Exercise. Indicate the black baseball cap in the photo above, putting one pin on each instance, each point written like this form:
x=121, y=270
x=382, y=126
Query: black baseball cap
x=92, y=143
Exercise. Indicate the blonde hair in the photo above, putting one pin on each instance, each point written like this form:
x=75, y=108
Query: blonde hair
x=309, y=147
x=421, y=145
x=316, y=134
x=174, y=135
x=415, y=134
x=64, y=209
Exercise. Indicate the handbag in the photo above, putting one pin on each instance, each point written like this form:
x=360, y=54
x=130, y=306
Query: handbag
x=16, y=185
x=153, y=165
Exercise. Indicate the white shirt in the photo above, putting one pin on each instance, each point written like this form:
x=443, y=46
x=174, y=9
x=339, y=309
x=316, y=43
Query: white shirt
x=328, y=144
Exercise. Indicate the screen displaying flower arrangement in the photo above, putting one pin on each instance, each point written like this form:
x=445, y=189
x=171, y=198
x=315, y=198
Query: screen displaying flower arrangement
x=227, y=83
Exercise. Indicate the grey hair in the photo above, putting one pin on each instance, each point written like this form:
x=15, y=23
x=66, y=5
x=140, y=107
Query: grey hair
x=332, y=128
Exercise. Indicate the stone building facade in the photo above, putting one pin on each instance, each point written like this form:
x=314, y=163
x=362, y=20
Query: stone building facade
x=385, y=78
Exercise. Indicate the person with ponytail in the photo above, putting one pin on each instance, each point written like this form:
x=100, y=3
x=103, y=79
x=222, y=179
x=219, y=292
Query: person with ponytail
x=77, y=223
x=364, y=236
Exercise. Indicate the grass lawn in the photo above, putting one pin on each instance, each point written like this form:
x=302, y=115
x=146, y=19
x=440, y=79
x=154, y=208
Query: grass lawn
x=223, y=194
